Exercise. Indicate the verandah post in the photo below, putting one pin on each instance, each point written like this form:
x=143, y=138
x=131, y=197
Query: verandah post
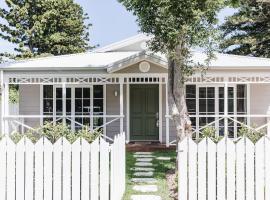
x=226, y=109
x=2, y=102
x=167, y=116
x=121, y=81
x=64, y=95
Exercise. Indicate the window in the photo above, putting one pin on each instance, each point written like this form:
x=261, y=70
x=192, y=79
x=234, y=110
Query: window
x=80, y=101
x=209, y=100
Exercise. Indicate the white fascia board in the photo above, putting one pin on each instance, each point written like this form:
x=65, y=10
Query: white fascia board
x=135, y=59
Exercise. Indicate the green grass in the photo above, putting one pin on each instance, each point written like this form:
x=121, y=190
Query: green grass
x=161, y=167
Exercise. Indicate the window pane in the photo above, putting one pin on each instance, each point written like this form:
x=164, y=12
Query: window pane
x=241, y=91
x=58, y=92
x=230, y=92
x=78, y=92
x=86, y=93
x=202, y=105
x=68, y=95
x=78, y=105
x=211, y=92
x=241, y=106
x=48, y=106
x=68, y=106
x=48, y=91
x=221, y=92
x=59, y=107
x=191, y=104
x=98, y=106
x=211, y=105
x=202, y=92
x=230, y=106
x=98, y=91
x=221, y=106
x=191, y=91
x=86, y=106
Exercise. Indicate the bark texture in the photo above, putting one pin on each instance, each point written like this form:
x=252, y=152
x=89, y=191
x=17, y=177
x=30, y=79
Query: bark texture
x=176, y=94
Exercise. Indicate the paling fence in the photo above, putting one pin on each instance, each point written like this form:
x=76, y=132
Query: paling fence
x=62, y=171
x=225, y=170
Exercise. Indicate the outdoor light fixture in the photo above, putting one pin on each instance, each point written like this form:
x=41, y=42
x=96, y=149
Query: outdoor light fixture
x=116, y=93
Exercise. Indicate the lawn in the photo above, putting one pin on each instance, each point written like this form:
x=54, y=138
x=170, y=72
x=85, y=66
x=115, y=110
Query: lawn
x=161, y=167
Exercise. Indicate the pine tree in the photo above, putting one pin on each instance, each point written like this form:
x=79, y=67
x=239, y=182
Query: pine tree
x=41, y=27
x=247, y=32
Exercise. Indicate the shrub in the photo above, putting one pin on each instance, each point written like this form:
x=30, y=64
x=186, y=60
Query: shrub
x=210, y=132
x=55, y=131
x=251, y=134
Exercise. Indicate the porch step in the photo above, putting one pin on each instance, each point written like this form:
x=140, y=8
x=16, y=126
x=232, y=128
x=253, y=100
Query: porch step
x=143, y=164
x=144, y=156
x=144, y=159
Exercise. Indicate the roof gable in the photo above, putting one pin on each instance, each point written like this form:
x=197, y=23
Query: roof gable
x=135, y=43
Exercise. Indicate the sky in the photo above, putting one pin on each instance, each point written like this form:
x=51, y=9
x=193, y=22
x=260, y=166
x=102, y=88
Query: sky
x=111, y=22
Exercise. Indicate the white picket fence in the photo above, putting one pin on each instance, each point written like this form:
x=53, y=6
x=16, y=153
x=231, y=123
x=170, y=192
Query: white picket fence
x=62, y=171
x=226, y=170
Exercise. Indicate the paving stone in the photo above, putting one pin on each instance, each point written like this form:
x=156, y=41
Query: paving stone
x=145, y=188
x=144, y=180
x=145, y=197
x=145, y=169
x=144, y=159
x=163, y=158
x=144, y=174
x=143, y=153
x=144, y=156
x=143, y=164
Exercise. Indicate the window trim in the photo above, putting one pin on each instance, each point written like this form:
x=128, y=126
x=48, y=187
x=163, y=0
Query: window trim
x=73, y=86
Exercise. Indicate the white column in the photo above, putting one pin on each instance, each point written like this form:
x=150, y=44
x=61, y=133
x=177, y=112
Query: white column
x=167, y=117
x=160, y=112
x=105, y=108
x=2, y=102
x=127, y=115
x=6, y=106
x=226, y=108
x=121, y=105
x=248, y=103
x=64, y=96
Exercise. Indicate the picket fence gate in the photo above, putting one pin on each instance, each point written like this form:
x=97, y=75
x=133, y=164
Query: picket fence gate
x=224, y=171
x=62, y=171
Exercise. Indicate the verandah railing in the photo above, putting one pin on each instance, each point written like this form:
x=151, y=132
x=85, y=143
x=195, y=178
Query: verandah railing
x=62, y=170
x=225, y=170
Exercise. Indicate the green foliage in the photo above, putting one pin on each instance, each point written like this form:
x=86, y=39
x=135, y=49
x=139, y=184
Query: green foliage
x=247, y=31
x=55, y=131
x=14, y=94
x=178, y=25
x=210, y=132
x=253, y=135
x=44, y=27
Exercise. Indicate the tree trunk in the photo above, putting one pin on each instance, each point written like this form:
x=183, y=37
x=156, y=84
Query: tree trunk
x=176, y=96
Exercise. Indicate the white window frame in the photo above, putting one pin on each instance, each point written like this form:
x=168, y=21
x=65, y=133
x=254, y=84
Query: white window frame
x=73, y=86
x=216, y=87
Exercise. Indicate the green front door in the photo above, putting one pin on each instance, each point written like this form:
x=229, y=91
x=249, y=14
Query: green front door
x=144, y=100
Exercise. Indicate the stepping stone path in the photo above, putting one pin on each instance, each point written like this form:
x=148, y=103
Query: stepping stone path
x=143, y=177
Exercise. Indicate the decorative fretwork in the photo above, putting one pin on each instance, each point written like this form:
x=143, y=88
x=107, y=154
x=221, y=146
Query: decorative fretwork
x=231, y=79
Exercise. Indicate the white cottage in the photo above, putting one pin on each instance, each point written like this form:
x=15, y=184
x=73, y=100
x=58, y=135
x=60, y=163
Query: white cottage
x=122, y=88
